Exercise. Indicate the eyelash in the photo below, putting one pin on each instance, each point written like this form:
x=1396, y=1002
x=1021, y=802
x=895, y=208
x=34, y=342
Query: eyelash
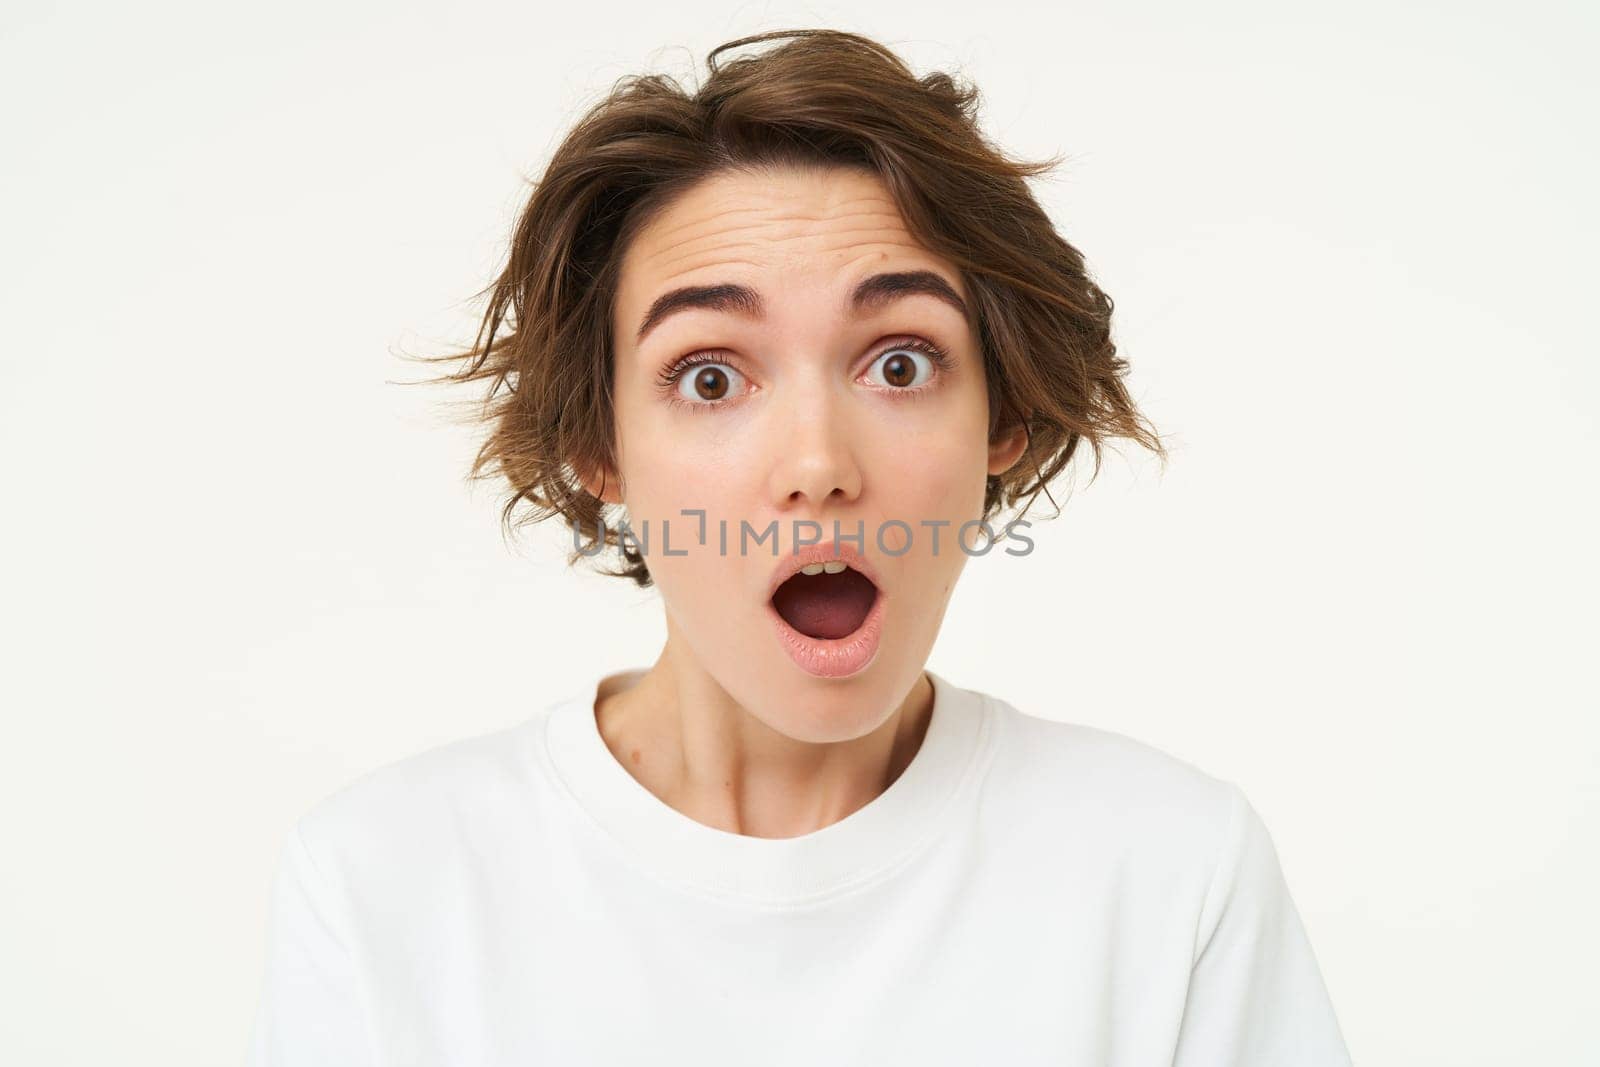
x=668, y=379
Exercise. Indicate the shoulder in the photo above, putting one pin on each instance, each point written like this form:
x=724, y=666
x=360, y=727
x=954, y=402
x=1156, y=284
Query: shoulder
x=1086, y=781
x=412, y=810
x=1116, y=767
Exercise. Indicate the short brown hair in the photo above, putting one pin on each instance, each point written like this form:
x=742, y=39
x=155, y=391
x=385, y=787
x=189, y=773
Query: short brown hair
x=822, y=97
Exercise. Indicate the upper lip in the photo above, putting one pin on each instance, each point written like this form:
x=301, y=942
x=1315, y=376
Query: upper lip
x=844, y=551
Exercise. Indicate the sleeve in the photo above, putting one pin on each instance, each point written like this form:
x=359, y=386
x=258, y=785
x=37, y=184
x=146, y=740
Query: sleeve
x=1256, y=996
x=310, y=1012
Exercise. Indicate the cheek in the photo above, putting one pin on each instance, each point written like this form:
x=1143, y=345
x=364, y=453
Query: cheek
x=939, y=471
x=668, y=466
x=666, y=472
x=674, y=481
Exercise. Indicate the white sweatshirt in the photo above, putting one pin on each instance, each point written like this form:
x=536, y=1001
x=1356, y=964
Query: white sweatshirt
x=1026, y=892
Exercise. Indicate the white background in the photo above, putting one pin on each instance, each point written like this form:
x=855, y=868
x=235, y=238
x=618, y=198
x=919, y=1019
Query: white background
x=1352, y=252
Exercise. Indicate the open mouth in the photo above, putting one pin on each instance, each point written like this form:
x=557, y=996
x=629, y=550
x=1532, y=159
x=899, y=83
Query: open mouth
x=827, y=605
x=829, y=616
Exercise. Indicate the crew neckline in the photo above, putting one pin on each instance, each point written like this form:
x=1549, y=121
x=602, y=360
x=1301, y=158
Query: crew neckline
x=863, y=847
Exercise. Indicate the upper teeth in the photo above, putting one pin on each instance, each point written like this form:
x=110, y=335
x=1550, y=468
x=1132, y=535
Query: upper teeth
x=831, y=567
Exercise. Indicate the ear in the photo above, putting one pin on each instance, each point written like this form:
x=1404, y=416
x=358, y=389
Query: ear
x=1007, y=448
x=602, y=482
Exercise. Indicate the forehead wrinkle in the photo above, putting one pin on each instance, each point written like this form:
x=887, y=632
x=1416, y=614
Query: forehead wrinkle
x=727, y=201
x=727, y=233
x=659, y=232
x=722, y=224
x=677, y=276
x=667, y=260
x=888, y=224
x=766, y=215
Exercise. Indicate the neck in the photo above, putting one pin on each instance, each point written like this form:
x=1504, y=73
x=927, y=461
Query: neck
x=684, y=738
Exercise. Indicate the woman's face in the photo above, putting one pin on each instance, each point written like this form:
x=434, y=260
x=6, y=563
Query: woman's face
x=803, y=405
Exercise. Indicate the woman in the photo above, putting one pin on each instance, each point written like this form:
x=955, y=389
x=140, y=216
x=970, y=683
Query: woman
x=799, y=323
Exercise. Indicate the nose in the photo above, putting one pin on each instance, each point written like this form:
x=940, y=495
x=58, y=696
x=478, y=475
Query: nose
x=815, y=462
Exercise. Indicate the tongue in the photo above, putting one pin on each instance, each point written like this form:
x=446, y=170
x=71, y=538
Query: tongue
x=826, y=606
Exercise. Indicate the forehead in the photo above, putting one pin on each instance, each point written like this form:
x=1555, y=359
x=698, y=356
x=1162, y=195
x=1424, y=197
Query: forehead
x=822, y=225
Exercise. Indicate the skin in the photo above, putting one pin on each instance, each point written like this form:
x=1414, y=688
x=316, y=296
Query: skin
x=724, y=726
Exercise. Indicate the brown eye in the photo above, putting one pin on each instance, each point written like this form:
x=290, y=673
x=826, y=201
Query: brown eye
x=706, y=383
x=898, y=369
x=903, y=368
x=710, y=383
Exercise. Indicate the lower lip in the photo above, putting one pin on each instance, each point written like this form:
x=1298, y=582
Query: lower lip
x=840, y=657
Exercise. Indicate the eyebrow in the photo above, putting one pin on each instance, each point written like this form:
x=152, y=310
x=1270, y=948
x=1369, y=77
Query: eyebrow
x=869, y=295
